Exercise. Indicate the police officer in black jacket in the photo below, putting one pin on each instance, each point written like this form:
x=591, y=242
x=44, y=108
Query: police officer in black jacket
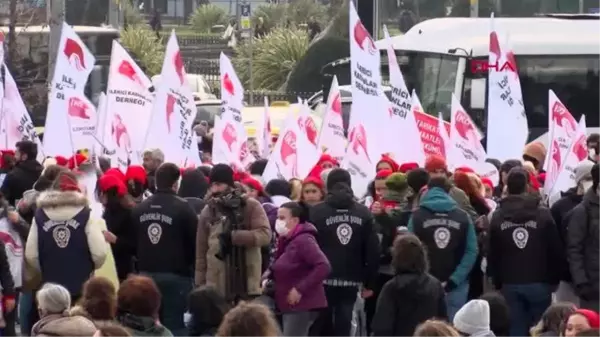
x=165, y=227
x=347, y=236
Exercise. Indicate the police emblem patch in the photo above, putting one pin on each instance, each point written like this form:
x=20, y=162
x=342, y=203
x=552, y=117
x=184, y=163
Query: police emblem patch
x=154, y=233
x=520, y=237
x=344, y=233
x=61, y=235
x=441, y=237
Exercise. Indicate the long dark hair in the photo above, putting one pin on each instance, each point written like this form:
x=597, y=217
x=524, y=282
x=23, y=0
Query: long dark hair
x=114, y=201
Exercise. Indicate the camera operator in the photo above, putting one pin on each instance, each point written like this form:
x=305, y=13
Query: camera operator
x=165, y=226
x=231, y=231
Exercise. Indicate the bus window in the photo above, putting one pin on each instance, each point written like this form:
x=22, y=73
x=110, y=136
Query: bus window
x=574, y=79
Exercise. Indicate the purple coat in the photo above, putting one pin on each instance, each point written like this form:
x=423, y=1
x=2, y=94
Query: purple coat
x=300, y=264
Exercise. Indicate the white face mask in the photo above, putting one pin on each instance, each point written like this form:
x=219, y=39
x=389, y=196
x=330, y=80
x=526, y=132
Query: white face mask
x=281, y=227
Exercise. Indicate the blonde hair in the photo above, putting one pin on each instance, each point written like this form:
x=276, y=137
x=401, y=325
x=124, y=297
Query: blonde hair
x=529, y=167
x=476, y=181
x=249, y=319
x=435, y=328
x=296, y=187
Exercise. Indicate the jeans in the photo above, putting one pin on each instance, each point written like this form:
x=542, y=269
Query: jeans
x=456, y=299
x=336, y=320
x=174, y=289
x=298, y=323
x=526, y=303
x=25, y=305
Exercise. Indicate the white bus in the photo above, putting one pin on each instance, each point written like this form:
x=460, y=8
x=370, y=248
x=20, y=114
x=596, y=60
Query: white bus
x=560, y=52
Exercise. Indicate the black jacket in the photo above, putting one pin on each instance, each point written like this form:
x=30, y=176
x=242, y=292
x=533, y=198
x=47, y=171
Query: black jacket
x=347, y=236
x=387, y=226
x=6, y=278
x=524, y=246
x=561, y=212
x=406, y=301
x=118, y=222
x=20, y=179
x=583, y=245
x=165, y=226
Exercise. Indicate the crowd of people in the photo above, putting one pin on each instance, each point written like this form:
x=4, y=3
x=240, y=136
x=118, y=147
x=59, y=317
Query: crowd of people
x=212, y=251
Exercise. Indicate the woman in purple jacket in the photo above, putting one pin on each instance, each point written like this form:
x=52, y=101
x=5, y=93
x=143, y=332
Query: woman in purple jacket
x=298, y=271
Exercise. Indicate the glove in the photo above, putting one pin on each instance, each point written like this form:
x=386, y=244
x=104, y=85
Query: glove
x=449, y=286
x=587, y=292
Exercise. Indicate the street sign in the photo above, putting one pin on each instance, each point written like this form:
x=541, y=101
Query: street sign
x=245, y=22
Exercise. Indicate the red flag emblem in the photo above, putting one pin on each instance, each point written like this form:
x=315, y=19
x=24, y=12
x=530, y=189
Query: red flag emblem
x=74, y=54
x=363, y=38
x=228, y=85
x=78, y=108
x=358, y=140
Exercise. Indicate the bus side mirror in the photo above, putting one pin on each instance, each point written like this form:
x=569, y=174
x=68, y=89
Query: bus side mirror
x=478, y=87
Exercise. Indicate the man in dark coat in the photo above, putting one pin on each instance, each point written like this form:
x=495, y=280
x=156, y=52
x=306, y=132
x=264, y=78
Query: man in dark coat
x=583, y=245
x=25, y=173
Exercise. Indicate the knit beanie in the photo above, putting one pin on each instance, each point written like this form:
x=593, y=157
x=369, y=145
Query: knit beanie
x=338, y=175
x=386, y=159
x=407, y=167
x=435, y=163
x=221, y=173
x=591, y=316
x=417, y=178
x=397, y=182
x=537, y=151
x=473, y=318
x=383, y=174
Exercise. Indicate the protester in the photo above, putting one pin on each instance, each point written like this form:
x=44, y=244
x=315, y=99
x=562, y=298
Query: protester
x=138, y=304
x=412, y=296
x=165, y=227
x=581, y=320
x=258, y=167
x=379, y=185
x=525, y=255
x=249, y=319
x=231, y=231
x=593, y=146
x=435, y=328
x=503, y=171
x=193, y=188
x=279, y=190
x=152, y=159
x=499, y=313
x=64, y=245
x=313, y=191
x=561, y=212
x=535, y=152
x=112, y=194
x=298, y=271
x=136, y=181
x=553, y=319
x=347, y=236
x=387, y=163
x=98, y=301
x=207, y=308
x=416, y=179
x=436, y=166
x=7, y=161
x=473, y=319
x=583, y=245
x=296, y=189
x=25, y=173
x=54, y=302
x=449, y=235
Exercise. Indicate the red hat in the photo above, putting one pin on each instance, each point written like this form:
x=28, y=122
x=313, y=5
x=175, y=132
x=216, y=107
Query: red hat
x=385, y=158
x=109, y=181
x=7, y=153
x=66, y=183
x=61, y=161
x=435, y=163
x=406, y=167
x=117, y=173
x=136, y=173
x=326, y=158
x=591, y=316
x=241, y=175
x=253, y=184
x=315, y=181
x=383, y=174
x=76, y=161
x=488, y=182
x=464, y=169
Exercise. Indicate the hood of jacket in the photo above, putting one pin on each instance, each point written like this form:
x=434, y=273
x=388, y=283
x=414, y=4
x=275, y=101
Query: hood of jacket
x=340, y=196
x=30, y=167
x=58, y=199
x=436, y=200
x=304, y=228
x=62, y=325
x=520, y=208
x=141, y=324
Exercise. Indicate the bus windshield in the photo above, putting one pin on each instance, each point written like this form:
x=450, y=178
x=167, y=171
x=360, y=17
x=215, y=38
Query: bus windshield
x=432, y=76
